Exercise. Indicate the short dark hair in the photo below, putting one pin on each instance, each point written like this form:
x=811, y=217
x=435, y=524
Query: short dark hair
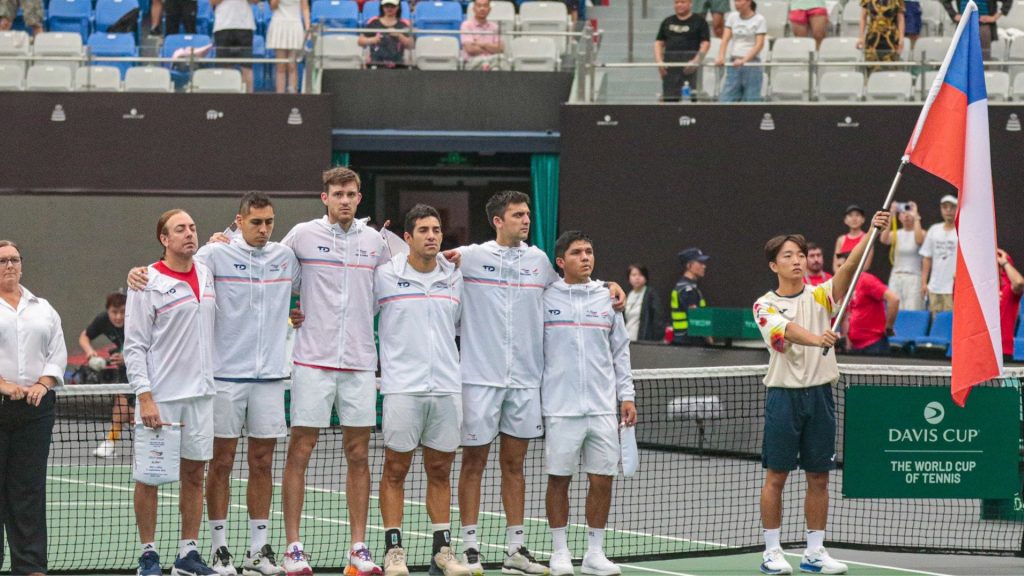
x=641, y=269
x=340, y=175
x=772, y=247
x=566, y=240
x=254, y=200
x=116, y=300
x=498, y=203
x=812, y=246
x=419, y=212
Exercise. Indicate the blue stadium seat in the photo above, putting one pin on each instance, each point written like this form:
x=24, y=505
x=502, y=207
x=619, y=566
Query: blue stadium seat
x=261, y=12
x=371, y=9
x=104, y=44
x=204, y=17
x=335, y=13
x=940, y=334
x=438, y=15
x=910, y=325
x=69, y=16
x=108, y=12
x=172, y=42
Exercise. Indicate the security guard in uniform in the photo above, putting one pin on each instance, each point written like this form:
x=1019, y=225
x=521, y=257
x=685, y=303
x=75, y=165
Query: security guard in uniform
x=687, y=295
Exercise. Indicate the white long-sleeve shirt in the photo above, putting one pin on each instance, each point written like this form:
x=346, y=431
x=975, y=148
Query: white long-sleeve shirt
x=168, y=337
x=254, y=288
x=31, y=341
x=586, y=352
x=336, y=294
x=502, y=320
x=419, y=318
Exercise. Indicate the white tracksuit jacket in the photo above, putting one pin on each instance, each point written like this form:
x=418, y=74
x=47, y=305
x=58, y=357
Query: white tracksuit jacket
x=502, y=321
x=168, y=337
x=254, y=288
x=417, y=329
x=337, y=293
x=586, y=352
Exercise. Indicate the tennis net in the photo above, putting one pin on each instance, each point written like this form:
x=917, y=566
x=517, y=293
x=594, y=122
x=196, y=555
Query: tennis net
x=697, y=491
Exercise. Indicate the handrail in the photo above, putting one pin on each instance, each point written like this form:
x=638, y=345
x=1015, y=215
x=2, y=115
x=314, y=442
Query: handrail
x=433, y=32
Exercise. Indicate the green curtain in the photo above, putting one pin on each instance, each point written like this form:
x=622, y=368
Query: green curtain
x=339, y=158
x=544, y=177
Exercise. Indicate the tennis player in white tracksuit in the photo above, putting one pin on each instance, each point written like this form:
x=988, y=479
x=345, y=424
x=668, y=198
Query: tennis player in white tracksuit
x=168, y=352
x=419, y=297
x=586, y=375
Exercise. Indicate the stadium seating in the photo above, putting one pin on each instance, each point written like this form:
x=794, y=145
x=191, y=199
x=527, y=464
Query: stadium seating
x=108, y=44
x=1015, y=19
x=910, y=325
x=998, y=86
x=51, y=44
x=1000, y=49
x=108, y=12
x=850, y=26
x=776, y=16
x=261, y=12
x=438, y=15
x=12, y=77
x=933, y=49
x=885, y=85
x=48, y=78
x=98, y=79
x=841, y=86
x=15, y=43
x=940, y=334
x=1018, y=338
x=371, y=9
x=1016, y=54
x=204, y=18
x=1018, y=88
x=148, y=79
x=336, y=14
x=933, y=18
x=222, y=80
x=339, y=52
x=710, y=77
x=797, y=50
x=437, y=53
x=838, y=49
x=790, y=85
x=534, y=54
x=174, y=42
x=69, y=16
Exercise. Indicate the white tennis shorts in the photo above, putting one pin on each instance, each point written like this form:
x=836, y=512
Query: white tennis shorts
x=196, y=417
x=315, y=391
x=431, y=421
x=490, y=409
x=596, y=437
x=256, y=407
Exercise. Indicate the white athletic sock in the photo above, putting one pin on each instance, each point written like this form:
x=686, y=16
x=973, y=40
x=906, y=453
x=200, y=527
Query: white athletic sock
x=560, y=539
x=771, y=538
x=185, y=546
x=258, y=534
x=148, y=547
x=516, y=538
x=218, y=534
x=469, y=538
x=595, y=539
x=815, y=539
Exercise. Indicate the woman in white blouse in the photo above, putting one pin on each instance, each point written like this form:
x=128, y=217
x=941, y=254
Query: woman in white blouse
x=32, y=361
x=905, y=243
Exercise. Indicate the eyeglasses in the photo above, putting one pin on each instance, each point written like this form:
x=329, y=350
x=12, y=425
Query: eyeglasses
x=13, y=261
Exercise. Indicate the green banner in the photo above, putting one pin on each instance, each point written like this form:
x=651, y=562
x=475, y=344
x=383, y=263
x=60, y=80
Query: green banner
x=914, y=442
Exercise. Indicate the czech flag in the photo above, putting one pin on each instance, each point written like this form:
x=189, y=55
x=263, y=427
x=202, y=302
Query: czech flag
x=951, y=140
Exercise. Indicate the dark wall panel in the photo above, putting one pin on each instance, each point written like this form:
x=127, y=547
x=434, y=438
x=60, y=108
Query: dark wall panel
x=183, y=142
x=648, y=181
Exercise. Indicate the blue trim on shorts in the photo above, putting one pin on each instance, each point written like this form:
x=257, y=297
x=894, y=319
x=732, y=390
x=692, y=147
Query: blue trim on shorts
x=799, y=429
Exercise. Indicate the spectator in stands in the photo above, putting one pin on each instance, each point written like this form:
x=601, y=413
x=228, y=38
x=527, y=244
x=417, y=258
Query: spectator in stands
x=873, y=310
x=809, y=18
x=744, y=38
x=815, y=266
x=718, y=9
x=682, y=37
x=181, y=17
x=854, y=220
x=1011, y=288
x=905, y=255
x=156, y=9
x=285, y=35
x=32, y=361
x=110, y=325
x=573, y=6
x=938, y=264
x=387, y=49
x=233, y=28
x=482, y=47
x=687, y=295
x=881, y=30
x=988, y=15
x=643, y=308
x=912, y=20
x=32, y=13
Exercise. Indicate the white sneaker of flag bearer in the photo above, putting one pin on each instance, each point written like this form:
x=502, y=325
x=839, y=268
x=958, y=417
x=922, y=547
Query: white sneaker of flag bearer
x=951, y=141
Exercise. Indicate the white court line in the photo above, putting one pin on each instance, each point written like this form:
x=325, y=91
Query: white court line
x=884, y=566
x=655, y=570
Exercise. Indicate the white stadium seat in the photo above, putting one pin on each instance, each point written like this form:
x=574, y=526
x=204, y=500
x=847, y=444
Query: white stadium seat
x=222, y=80
x=534, y=54
x=437, y=53
x=98, y=79
x=340, y=52
x=47, y=78
x=148, y=79
x=845, y=86
x=887, y=85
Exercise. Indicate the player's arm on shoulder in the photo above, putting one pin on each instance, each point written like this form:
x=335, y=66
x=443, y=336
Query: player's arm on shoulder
x=138, y=278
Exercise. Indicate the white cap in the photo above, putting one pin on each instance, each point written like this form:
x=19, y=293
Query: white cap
x=949, y=199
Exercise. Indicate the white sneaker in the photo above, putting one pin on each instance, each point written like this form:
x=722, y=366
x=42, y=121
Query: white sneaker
x=360, y=563
x=523, y=563
x=105, y=450
x=561, y=563
x=596, y=563
x=221, y=562
x=394, y=562
x=819, y=562
x=471, y=559
x=296, y=562
x=261, y=563
x=774, y=562
x=444, y=563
